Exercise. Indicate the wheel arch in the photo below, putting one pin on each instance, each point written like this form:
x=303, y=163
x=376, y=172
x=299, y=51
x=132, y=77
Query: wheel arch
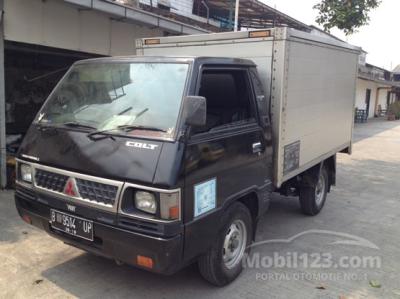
x=309, y=176
x=330, y=164
x=251, y=200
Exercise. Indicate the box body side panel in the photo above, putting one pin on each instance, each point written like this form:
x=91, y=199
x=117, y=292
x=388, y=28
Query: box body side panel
x=317, y=113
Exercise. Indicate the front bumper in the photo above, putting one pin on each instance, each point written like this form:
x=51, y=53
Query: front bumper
x=110, y=241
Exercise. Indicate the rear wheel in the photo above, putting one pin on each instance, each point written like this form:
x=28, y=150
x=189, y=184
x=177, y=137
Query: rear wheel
x=313, y=196
x=223, y=262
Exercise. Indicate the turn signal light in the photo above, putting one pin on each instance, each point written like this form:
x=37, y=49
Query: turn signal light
x=144, y=261
x=265, y=33
x=170, y=206
x=27, y=219
x=152, y=41
x=174, y=212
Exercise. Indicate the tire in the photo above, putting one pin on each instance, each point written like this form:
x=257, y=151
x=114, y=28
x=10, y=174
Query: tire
x=220, y=266
x=313, y=197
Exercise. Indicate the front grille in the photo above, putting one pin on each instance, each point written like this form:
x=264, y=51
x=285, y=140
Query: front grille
x=92, y=191
x=50, y=180
x=98, y=192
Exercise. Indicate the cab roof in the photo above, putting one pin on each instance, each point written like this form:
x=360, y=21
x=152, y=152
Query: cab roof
x=171, y=59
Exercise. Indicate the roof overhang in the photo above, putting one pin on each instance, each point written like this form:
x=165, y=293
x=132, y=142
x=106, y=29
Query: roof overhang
x=136, y=15
x=255, y=14
x=383, y=83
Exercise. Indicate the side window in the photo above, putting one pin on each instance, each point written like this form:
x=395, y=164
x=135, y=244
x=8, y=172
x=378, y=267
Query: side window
x=260, y=95
x=229, y=98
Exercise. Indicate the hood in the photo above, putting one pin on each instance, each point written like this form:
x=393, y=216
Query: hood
x=124, y=159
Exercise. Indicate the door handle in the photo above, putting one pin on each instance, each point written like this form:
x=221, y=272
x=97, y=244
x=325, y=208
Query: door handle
x=257, y=147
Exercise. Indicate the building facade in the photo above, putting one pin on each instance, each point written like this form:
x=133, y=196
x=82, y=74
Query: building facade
x=41, y=39
x=376, y=89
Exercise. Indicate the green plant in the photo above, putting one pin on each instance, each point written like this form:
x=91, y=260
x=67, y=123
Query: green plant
x=394, y=109
x=347, y=15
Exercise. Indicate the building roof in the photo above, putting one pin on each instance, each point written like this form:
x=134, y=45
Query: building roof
x=254, y=14
x=396, y=70
x=376, y=67
x=376, y=74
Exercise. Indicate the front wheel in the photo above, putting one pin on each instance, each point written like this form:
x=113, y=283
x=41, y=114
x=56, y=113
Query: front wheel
x=313, y=196
x=223, y=262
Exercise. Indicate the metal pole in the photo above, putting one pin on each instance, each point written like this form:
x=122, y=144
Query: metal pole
x=237, y=15
x=208, y=11
x=3, y=157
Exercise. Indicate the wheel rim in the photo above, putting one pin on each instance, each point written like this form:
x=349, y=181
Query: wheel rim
x=234, y=244
x=320, y=190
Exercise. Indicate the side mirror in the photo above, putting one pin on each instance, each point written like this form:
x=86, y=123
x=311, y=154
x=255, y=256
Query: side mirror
x=195, y=110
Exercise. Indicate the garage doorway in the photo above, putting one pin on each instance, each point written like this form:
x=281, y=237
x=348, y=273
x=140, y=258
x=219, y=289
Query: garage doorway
x=31, y=72
x=367, y=101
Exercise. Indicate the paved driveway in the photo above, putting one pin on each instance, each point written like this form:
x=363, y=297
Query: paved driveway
x=360, y=223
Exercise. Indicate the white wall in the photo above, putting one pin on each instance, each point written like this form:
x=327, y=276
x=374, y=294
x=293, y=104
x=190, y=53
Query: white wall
x=184, y=8
x=362, y=86
x=382, y=100
x=55, y=23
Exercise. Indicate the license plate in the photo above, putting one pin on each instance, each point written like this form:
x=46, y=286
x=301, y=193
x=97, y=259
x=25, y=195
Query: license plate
x=72, y=225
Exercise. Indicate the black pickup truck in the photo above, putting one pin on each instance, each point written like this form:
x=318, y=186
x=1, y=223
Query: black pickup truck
x=157, y=163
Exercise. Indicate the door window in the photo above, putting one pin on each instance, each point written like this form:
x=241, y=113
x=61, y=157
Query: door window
x=229, y=99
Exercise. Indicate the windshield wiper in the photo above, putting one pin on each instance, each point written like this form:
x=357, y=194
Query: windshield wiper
x=126, y=128
x=74, y=124
x=125, y=111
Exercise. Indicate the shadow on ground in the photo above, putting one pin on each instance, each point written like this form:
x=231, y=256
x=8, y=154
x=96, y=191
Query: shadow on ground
x=373, y=127
x=89, y=276
x=11, y=231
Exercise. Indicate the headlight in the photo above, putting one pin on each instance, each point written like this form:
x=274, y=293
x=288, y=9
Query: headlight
x=25, y=173
x=145, y=201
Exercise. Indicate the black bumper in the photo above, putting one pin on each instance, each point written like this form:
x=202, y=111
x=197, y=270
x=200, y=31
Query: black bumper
x=110, y=241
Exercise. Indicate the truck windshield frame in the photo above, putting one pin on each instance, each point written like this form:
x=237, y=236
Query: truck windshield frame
x=107, y=95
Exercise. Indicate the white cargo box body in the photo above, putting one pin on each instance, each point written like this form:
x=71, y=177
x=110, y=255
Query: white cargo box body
x=309, y=79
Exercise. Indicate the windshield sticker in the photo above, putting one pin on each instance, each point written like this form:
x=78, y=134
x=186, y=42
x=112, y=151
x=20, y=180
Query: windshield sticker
x=40, y=117
x=205, y=195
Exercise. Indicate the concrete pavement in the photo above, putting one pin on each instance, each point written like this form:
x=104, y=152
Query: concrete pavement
x=364, y=208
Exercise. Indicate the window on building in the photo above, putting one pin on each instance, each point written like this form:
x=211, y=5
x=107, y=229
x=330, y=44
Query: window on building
x=164, y=4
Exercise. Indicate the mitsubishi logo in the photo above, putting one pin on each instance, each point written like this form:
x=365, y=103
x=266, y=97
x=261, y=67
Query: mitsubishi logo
x=70, y=188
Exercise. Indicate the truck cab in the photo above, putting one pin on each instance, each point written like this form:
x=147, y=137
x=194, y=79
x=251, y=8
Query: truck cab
x=157, y=162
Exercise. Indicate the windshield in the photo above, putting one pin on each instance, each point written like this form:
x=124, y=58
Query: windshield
x=108, y=96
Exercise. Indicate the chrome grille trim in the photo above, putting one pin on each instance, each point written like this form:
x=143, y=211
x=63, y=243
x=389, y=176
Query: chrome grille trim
x=96, y=191
x=50, y=180
x=72, y=199
x=115, y=208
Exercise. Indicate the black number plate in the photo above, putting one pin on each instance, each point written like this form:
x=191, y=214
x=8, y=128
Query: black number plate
x=72, y=225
